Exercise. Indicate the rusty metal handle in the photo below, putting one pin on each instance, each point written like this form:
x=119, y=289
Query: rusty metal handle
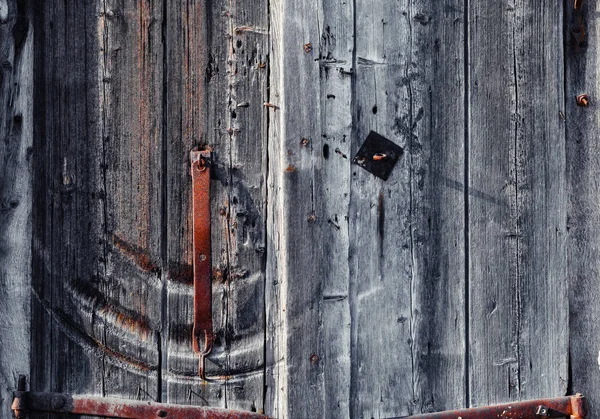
x=202, y=335
x=25, y=402
x=570, y=407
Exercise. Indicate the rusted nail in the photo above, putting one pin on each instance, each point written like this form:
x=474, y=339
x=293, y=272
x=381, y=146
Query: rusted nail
x=338, y=151
x=304, y=142
x=583, y=100
x=562, y=116
x=314, y=359
x=311, y=218
x=307, y=47
x=379, y=156
x=577, y=4
x=261, y=65
x=270, y=105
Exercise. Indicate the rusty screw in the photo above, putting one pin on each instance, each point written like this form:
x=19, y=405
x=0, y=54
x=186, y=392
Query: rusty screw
x=314, y=359
x=379, y=156
x=307, y=47
x=583, y=100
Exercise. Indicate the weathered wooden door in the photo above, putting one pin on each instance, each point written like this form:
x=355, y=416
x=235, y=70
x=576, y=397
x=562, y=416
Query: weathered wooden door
x=471, y=276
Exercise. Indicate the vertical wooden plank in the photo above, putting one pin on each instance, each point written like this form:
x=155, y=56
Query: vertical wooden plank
x=381, y=285
x=131, y=98
x=583, y=161
x=517, y=204
x=97, y=195
x=217, y=76
x=187, y=36
x=332, y=153
x=295, y=384
x=407, y=233
x=16, y=126
x=433, y=126
x=247, y=74
x=68, y=201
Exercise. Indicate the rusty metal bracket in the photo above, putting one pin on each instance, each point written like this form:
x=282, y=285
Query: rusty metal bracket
x=202, y=334
x=26, y=401
x=571, y=407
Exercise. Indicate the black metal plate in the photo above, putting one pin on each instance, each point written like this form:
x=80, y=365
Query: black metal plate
x=377, y=145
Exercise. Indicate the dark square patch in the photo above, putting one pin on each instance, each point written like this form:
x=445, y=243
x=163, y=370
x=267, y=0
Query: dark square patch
x=378, y=155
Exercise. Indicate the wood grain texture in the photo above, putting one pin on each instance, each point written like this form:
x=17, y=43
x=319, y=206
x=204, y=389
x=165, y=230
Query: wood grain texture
x=431, y=123
x=332, y=152
x=69, y=194
x=131, y=104
x=335, y=294
x=295, y=383
x=186, y=127
x=217, y=75
x=517, y=220
x=97, y=239
x=16, y=128
x=355, y=321
x=583, y=161
x=407, y=234
x=119, y=109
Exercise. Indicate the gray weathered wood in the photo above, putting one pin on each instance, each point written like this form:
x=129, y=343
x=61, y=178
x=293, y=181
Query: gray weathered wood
x=131, y=97
x=16, y=128
x=407, y=233
x=345, y=340
x=334, y=49
x=518, y=311
x=216, y=89
x=336, y=294
x=187, y=31
x=68, y=221
x=97, y=217
x=583, y=227
x=295, y=386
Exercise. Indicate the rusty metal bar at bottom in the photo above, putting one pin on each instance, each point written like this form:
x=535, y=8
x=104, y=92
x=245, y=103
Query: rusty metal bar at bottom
x=25, y=402
x=573, y=407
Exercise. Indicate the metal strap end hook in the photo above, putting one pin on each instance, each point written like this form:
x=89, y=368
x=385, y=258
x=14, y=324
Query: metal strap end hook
x=208, y=343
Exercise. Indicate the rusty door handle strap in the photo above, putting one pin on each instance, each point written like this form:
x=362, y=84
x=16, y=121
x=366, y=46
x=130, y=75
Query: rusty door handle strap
x=202, y=334
x=572, y=407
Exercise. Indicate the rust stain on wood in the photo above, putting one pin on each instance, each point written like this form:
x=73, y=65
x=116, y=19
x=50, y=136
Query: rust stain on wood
x=137, y=364
x=139, y=256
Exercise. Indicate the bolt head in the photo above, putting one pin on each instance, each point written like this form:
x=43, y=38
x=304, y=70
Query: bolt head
x=314, y=359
